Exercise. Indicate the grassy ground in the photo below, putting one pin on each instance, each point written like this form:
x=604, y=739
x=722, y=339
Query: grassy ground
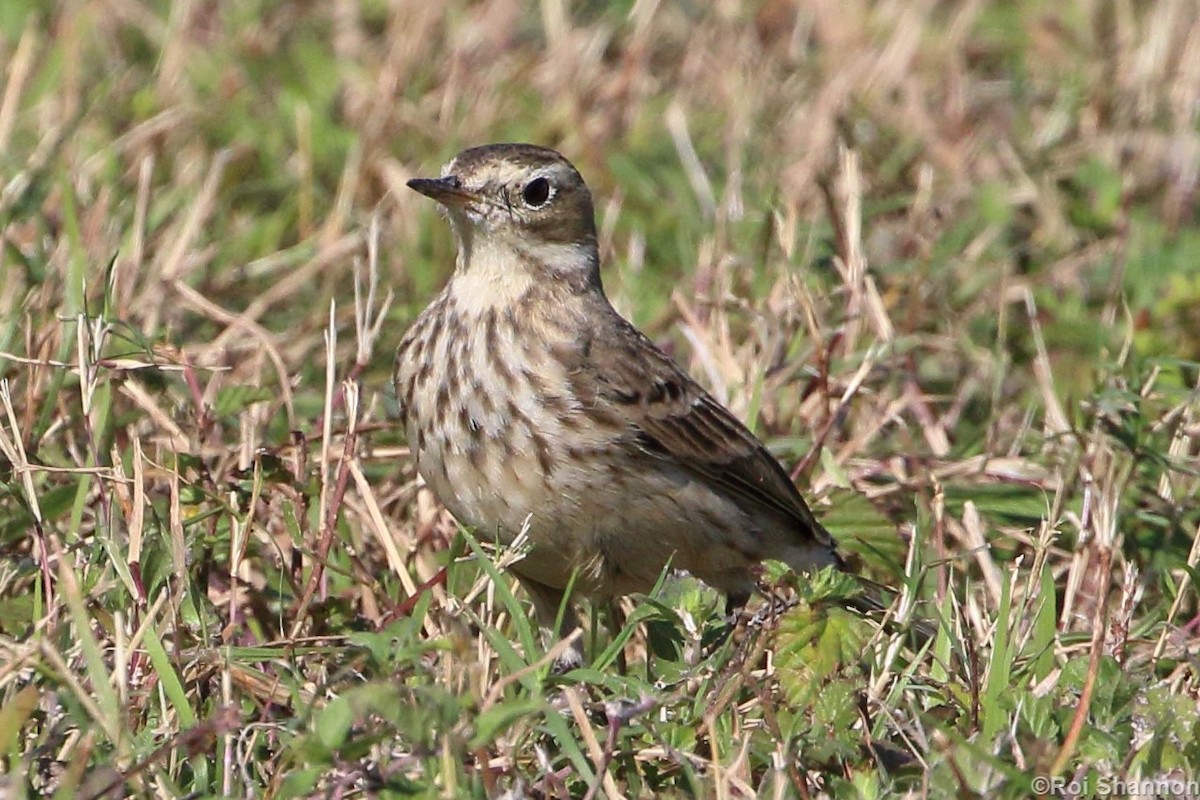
x=941, y=256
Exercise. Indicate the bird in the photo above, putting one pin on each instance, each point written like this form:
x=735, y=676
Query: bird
x=532, y=406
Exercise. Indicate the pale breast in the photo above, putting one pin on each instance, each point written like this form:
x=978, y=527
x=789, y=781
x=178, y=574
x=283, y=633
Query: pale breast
x=487, y=406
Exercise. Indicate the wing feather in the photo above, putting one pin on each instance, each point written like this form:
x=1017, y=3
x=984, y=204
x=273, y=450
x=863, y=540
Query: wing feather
x=678, y=421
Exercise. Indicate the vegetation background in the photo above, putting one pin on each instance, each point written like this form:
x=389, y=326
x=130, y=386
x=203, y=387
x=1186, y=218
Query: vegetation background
x=944, y=257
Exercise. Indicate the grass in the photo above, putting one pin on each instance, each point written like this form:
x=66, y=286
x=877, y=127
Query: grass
x=939, y=256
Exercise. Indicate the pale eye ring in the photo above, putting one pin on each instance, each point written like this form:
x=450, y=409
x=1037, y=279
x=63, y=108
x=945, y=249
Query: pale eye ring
x=537, y=192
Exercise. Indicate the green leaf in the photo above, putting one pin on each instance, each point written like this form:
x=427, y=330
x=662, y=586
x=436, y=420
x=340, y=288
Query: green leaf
x=232, y=399
x=13, y=715
x=1045, y=627
x=302, y=782
x=333, y=723
x=993, y=705
x=491, y=724
x=164, y=668
x=813, y=644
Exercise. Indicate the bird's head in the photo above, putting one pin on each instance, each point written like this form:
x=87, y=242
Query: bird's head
x=518, y=206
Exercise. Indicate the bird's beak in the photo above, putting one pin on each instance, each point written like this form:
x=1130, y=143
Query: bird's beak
x=448, y=190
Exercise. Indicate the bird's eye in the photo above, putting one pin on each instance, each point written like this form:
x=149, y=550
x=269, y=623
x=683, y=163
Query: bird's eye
x=536, y=193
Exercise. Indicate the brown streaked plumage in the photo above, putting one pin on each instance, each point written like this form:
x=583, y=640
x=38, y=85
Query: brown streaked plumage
x=530, y=402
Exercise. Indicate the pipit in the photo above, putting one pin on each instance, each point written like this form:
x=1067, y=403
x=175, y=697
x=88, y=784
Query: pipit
x=531, y=404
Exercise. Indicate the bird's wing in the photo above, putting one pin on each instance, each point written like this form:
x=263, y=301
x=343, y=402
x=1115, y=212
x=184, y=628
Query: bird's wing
x=678, y=421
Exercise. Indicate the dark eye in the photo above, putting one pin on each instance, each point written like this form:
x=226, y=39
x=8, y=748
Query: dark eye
x=536, y=193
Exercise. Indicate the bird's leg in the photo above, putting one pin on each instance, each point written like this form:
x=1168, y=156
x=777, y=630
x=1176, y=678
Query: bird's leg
x=547, y=601
x=734, y=603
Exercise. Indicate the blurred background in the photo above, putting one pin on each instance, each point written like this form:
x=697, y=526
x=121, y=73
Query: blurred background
x=940, y=256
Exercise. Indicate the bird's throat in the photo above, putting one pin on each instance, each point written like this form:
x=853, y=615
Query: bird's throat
x=489, y=277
